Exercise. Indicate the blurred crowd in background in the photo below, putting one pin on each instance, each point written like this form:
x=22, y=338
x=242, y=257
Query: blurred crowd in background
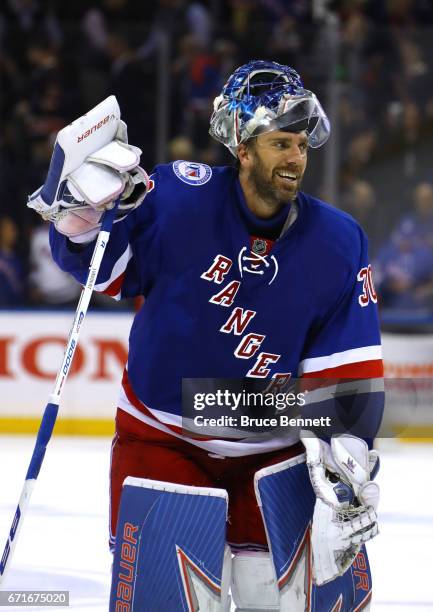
x=369, y=61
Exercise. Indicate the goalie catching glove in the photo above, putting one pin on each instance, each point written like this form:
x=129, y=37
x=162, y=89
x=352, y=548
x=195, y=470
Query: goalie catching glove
x=92, y=165
x=345, y=510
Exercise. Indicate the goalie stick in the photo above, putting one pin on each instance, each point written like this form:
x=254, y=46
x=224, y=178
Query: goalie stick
x=50, y=413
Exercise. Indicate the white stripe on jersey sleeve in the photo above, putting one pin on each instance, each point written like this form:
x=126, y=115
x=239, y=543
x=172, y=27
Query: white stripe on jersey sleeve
x=316, y=364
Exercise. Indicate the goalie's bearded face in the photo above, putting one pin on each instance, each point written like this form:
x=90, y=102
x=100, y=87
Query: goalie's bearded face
x=274, y=164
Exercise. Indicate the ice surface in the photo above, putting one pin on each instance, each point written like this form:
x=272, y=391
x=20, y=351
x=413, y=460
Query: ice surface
x=63, y=540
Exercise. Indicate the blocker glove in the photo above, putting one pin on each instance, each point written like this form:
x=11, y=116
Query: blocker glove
x=344, y=517
x=92, y=165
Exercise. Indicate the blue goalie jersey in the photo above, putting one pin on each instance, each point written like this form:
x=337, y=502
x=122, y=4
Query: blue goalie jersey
x=221, y=303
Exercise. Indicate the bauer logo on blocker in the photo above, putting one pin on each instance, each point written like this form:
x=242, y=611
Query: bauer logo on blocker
x=192, y=173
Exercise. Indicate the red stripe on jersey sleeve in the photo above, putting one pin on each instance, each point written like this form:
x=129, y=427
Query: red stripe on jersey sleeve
x=362, y=369
x=114, y=288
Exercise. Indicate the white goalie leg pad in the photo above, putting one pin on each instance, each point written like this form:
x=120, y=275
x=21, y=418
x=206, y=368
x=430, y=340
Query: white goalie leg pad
x=253, y=582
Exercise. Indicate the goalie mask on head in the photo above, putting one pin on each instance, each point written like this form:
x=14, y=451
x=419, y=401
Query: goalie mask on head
x=263, y=96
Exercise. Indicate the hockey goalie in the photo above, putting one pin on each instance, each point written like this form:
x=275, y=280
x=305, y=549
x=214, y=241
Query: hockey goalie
x=244, y=276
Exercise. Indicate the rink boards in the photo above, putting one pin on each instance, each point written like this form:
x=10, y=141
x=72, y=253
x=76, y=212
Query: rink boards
x=31, y=349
